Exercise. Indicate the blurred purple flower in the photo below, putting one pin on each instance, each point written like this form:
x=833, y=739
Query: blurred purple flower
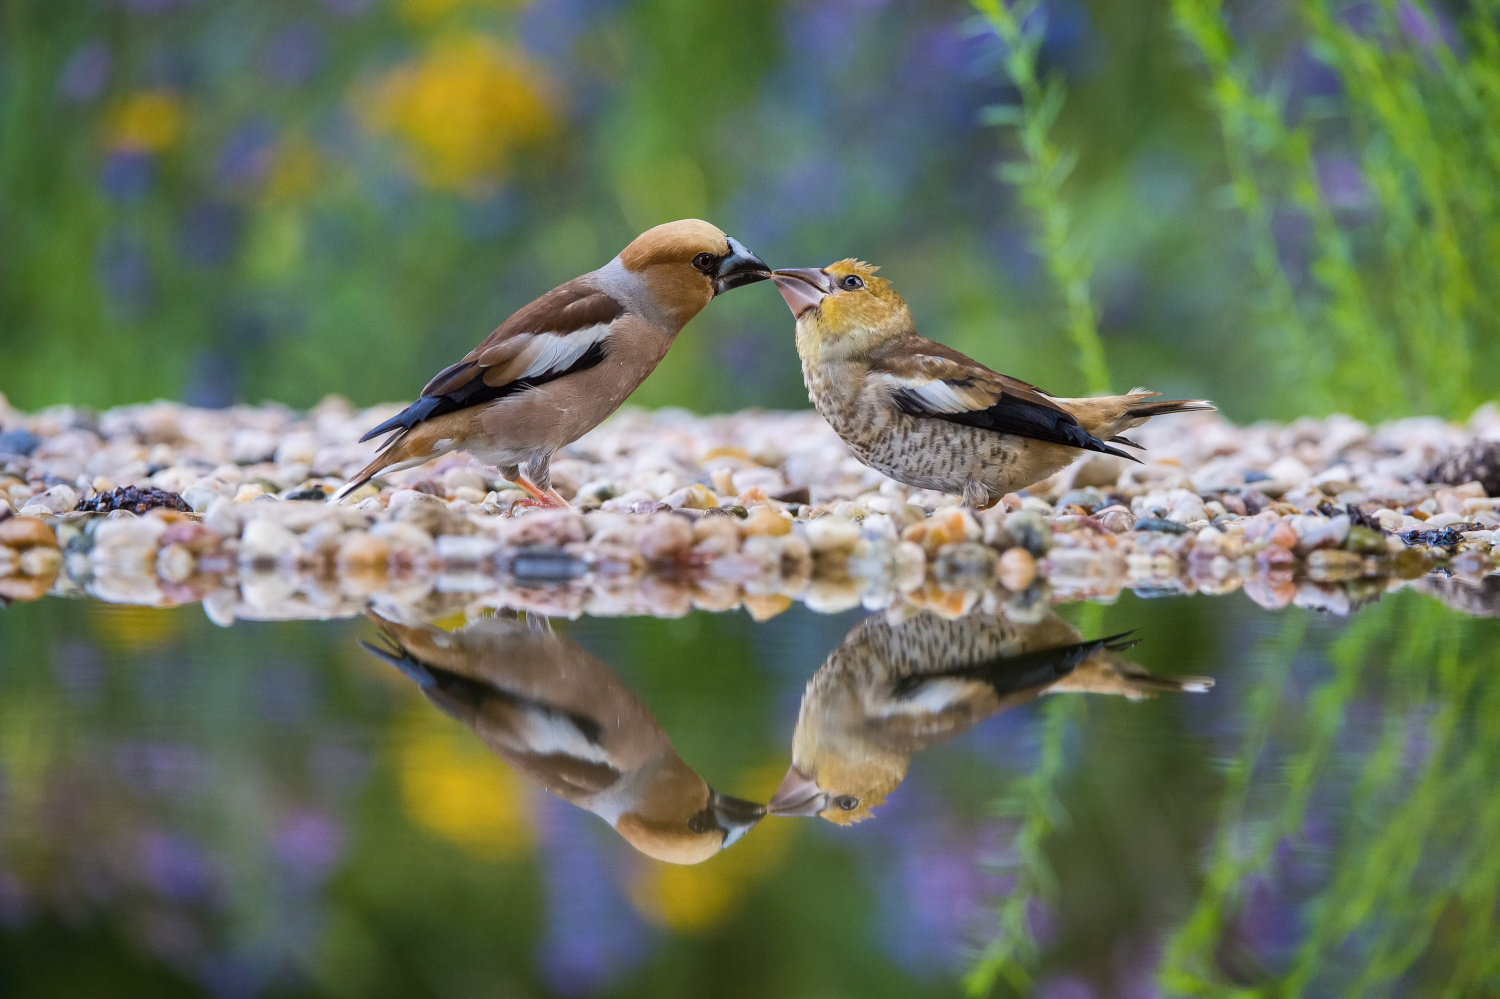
x=122, y=269
x=213, y=380
x=171, y=935
x=825, y=28
x=160, y=768
x=14, y=908
x=175, y=867
x=247, y=154
x=308, y=845
x=1417, y=25
x=233, y=976
x=86, y=72
x=549, y=29
x=295, y=54
x=152, y=6
x=79, y=668
x=1342, y=181
x=126, y=176
x=593, y=933
x=209, y=233
x=348, y=8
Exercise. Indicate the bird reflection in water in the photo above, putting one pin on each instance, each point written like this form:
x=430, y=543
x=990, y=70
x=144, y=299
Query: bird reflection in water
x=562, y=719
x=890, y=690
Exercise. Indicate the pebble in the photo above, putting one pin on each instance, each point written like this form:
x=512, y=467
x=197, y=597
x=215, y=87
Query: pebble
x=769, y=504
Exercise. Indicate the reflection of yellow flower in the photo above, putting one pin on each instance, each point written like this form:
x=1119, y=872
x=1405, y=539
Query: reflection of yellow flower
x=695, y=898
x=124, y=626
x=464, y=107
x=295, y=169
x=147, y=121
x=455, y=788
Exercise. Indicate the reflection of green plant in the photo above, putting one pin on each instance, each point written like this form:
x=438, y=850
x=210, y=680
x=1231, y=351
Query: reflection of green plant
x=1041, y=172
x=1398, y=309
x=1418, y=842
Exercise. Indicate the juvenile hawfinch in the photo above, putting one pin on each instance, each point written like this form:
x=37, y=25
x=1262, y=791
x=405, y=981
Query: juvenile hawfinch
x=891, y=689
x=927, y=415
x=561, y=718
x=556, y=368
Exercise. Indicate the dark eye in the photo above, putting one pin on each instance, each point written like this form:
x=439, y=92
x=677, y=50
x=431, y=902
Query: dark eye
x=852, y=282
x=847, y=802
x=699, y=823
x=705, y=262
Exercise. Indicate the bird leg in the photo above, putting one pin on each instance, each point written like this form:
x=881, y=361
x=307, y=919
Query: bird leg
x=538, y=476
x=546, y=498
x=977, y=495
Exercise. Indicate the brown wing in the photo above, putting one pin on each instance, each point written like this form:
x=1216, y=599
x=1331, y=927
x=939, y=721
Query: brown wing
x=562, y=332
x=931, y=380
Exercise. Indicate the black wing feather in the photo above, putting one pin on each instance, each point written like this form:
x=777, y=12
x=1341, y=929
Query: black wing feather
x=1013, y=674
x=1021, y=417
x=475, y=392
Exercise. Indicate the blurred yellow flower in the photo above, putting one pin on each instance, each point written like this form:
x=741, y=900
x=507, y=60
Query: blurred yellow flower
x=148, y=121
x=463, y=109
x=452, y=786
x=701, y=896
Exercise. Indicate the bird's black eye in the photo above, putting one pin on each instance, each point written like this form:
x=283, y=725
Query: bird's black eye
x=847, y=802
x=852, y=282
x=705, y=262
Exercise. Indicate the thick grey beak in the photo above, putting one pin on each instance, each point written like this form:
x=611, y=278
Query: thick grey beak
x=735, y=816
x=741, y=267
x=798, y=795
x=804, y=288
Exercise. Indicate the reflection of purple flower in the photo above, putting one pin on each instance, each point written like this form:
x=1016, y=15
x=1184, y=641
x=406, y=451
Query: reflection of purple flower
x=1269, y=923
x=209, y=233
x=308, y=845
x=175, y=867
x=122, y=269
x=246, y=155
x=126, y=176
x=1064, y=987
x=593, y=934
x=86, y=72
x=294, y=55
x=287, y=694
x=79, y=668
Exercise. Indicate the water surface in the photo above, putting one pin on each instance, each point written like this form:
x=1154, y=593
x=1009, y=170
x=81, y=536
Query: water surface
x=271, y=809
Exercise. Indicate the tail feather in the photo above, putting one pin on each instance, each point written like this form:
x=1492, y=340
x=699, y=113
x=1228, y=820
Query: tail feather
x=404, y=451
x=1106, y=417
x=1143, y=410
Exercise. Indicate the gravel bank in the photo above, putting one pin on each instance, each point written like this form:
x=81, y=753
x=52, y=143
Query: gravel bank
x=164, y=504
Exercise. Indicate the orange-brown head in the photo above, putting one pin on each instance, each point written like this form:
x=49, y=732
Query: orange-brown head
x=684, y=264
x=842, y=310
x=678, y=818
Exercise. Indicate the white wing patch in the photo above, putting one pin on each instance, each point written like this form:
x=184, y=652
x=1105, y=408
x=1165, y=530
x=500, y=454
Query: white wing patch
x=932, y=696
x=550, y=354
x=547, y=733
x=933, y=396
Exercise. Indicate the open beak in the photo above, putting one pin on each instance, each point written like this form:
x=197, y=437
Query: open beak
x=803, y=288
x=735, y=816
x=741, y=267
x=798, y=794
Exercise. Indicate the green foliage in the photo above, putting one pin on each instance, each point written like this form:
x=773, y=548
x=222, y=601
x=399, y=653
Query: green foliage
x=1403, y=303
x=1042, y=171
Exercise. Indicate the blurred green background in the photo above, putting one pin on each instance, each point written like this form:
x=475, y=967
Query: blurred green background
x=1287, y=205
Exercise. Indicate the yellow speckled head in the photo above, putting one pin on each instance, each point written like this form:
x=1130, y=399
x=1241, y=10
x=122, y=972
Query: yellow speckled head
x=843, y=309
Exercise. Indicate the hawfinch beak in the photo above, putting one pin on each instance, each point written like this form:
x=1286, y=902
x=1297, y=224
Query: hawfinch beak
x=798, y=795
x=741, y=267
x=803, y=288
x=735, y=816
